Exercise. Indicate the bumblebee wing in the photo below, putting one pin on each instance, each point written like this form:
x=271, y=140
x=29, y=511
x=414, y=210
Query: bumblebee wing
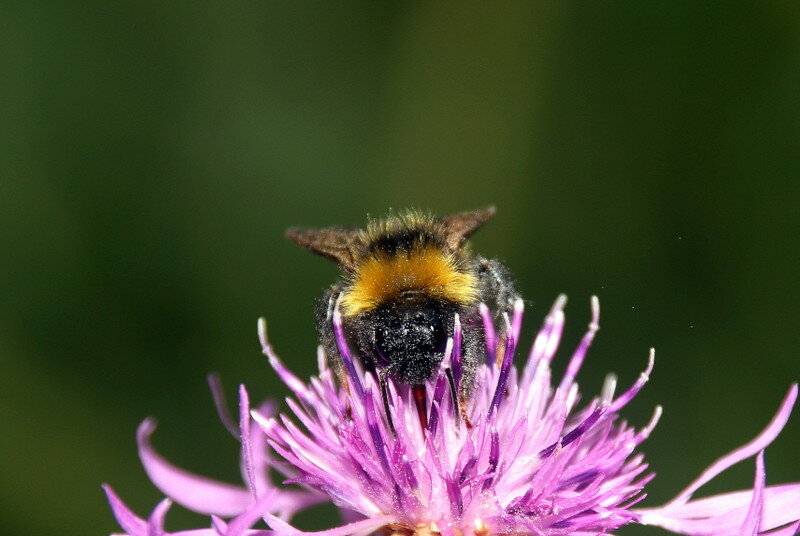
x=458, y=227
x=335, y=243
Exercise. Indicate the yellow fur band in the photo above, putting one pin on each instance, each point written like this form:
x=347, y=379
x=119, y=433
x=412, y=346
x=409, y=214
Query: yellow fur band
x=430, y=271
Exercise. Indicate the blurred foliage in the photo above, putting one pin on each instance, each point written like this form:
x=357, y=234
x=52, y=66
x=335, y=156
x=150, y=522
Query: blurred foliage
x=153, y=152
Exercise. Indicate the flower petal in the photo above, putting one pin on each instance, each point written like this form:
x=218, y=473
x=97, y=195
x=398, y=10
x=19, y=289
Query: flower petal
x=727, y=511
x=129, y=521
x=760, y=442
x=756, y=509
x=747, y=512
x=365, y=526
x=248, y=461
x=791, y=530
x=133, y=525
x=221, y=404
x=198, y=493
x=253, y=514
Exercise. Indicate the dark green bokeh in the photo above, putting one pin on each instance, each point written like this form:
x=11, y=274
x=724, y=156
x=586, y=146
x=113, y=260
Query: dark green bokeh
x=152, y=154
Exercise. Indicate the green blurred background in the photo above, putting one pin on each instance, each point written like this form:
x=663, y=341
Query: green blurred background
x=152, y=154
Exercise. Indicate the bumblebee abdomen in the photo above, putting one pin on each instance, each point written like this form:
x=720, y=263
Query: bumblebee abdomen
x=409, y=338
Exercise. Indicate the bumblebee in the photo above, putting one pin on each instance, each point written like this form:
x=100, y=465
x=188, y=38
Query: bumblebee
x=404, y=278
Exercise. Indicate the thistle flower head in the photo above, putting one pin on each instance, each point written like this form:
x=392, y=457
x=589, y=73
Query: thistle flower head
x=521, y=454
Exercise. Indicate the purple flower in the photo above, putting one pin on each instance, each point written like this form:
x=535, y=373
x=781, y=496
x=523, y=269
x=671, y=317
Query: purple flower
x=523, y=456
x=211, y=497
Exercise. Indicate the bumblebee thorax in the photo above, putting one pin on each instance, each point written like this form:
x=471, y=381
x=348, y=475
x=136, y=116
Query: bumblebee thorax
x=422, y=272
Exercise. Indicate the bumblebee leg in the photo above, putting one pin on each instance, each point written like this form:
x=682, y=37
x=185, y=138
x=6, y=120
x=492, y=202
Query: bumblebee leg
x=498, y=289
x=497, y=286
x=473, y=352
x=324, y=315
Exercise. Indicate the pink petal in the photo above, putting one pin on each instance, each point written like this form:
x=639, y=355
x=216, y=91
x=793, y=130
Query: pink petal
x=129, y=521
x=365, y=526
x=198, y=493
x=136, y=526
x=219, y=524
x=777, y=498
x=580, y=353
x=637, y=386
x=292, y=382
x=756, y=509
x=156, y=520
x=253, y=514
x=791, y=530
x=256, y=461
x=741, y=513
x=221, y=529
x=248, y=467
x=760, y=442
x=725, y=513
x=262, y=455
x=221, y=404
x=516, y=319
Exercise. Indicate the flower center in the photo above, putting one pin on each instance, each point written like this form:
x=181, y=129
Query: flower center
x=429, y=529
